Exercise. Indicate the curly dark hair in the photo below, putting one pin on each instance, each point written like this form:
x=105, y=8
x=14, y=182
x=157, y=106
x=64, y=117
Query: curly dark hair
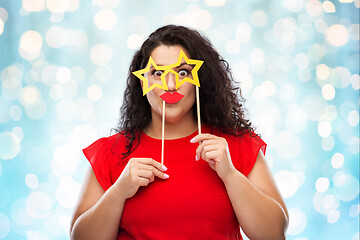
x=220, y=99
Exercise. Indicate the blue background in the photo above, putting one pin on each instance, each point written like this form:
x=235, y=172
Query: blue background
x=63, y=66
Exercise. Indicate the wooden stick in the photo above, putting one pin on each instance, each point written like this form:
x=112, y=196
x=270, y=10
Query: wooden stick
x=198, y=109
x=162, y=134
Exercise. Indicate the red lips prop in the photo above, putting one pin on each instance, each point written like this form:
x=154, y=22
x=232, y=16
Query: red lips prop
x=171, y=97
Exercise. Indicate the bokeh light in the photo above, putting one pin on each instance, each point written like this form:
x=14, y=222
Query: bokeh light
x=337, y=160
x=134, y=41
x=94, y=92
x=322, y=184
x=5, y=227
x=10, y=145
x=105, y=19
x=1, y=26
x=215, y=3
x=299, y=223
x=31, y=181
x=33, y=5
x=30, y=45
x=337, y=35
x=63, y=71
x=101, y=54
x=3, y=18
x=259, y=18
x=328, y=7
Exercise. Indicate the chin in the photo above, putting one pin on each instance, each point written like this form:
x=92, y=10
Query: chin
x=174, y=115
x=173, y=118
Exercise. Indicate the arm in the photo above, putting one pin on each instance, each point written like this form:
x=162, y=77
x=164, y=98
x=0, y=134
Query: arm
x=257, y=203
x=98, y=213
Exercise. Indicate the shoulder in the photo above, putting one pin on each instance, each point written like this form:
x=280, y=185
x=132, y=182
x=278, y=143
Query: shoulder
x=105, y=142
x=246, y=140
x=105, y=147
x=115, y=139
x=103, y=155
x=241, y=138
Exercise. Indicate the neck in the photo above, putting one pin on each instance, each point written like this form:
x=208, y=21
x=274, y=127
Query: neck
x=173, y=130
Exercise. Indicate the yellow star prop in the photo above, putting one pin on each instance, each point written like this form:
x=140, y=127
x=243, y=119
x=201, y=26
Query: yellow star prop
x=168, y=69
x=146, y=87
x=194, y=71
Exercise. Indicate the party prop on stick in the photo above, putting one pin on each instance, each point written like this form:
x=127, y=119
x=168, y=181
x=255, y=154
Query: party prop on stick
x=170, y=98
x=195, y=79
x=175, y=97
x=145, y=81
x=147, y=89
x=162, y=134
x=198, y=109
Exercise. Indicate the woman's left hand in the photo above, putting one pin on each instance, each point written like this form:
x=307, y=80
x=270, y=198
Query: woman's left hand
x=215, y=151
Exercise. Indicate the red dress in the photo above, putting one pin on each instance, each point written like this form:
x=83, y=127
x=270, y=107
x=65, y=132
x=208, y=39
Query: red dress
x=191, y=204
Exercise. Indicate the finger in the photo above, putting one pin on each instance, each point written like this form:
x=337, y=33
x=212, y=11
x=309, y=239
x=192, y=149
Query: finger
x=156, y=172
x=214, y=141
x=152, y=162
x=147, y=167
x=159, y=174
x=208, y=148
x=153, y=170
x=207, y=143
x=212, y=162
x=198, y=151
x=210, y=156
x=146, y=174
x=142, y=182
x=202, y=137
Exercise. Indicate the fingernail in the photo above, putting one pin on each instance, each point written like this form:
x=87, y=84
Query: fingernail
x=192, y=140
x=164, y=168
x=166, y=176
x=196, y=157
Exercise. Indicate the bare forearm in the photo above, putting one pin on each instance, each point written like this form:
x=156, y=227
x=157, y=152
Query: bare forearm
x=260, y=216
x=102, y=220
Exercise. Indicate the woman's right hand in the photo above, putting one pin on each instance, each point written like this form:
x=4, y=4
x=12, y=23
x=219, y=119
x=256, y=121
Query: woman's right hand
x=139, y=172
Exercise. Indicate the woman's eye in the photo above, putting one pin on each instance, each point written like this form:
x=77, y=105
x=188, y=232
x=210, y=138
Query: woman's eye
x=157, y=73
x=183, y=73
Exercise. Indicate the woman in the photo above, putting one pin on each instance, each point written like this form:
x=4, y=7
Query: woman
x=212, y=183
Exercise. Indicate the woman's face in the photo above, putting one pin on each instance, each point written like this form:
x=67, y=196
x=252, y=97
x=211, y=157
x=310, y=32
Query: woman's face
x=163, y=56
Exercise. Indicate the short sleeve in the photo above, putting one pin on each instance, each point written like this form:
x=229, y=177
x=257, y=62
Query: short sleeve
x=98, y=154
x=248, y=151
